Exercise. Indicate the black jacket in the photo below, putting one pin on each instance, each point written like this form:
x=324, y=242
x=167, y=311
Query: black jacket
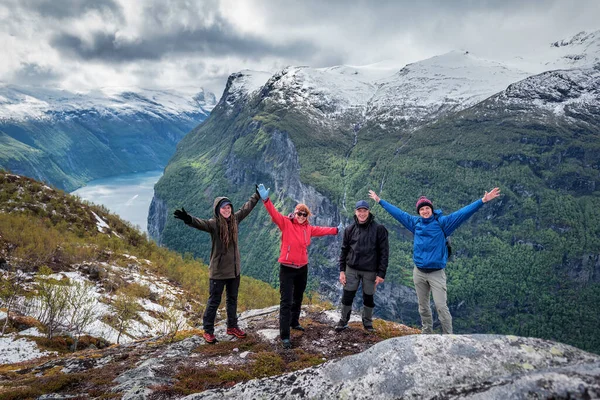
x=365, y=247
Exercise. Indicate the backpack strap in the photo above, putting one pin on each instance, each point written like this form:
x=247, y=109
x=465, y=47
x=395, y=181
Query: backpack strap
x=441, y=227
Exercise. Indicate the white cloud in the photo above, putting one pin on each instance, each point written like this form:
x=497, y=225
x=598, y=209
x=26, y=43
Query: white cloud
x=83, y=44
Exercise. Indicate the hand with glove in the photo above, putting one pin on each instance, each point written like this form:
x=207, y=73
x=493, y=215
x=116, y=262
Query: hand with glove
x=264, y=193
x=183, y=215
x=340, y=227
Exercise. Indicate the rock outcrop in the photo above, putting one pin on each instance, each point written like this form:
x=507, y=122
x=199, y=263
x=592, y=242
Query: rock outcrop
x=438, y=367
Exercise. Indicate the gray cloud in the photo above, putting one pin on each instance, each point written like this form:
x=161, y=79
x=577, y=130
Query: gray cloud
x=33, y=74
x=157, y=42
x=67, y=9
x=217, y=40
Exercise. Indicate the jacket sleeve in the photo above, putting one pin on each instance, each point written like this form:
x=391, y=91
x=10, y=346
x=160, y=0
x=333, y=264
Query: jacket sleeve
x=322, y=231
x=275, y=215
x=452, y=221
x=401, y=216
x=345, y=249
x=202, y=224
x=246, y=208
x=384, y=251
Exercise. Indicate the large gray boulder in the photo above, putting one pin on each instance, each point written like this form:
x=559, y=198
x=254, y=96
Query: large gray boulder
x=440, y=367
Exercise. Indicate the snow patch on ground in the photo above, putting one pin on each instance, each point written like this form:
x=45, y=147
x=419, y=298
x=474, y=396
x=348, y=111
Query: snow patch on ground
x=34, y=331
x=19, y=350
x=100, y=223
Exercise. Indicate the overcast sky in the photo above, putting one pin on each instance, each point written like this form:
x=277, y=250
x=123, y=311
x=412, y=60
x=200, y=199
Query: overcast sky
x=85, y=44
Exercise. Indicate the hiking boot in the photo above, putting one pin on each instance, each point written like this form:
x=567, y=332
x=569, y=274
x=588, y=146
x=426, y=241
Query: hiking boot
x=298, y=328
x=341, y=325
x=369, y=328
x=209, y=338
x=286, y=343
x=237, y=332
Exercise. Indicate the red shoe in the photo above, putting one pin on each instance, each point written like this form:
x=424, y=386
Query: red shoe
x=237, y=332
x=209, y=338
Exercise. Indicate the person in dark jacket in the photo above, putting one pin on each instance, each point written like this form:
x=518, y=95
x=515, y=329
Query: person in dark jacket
x=364, y=258
x=224, y=266
x=430, y=252
x=296, y=234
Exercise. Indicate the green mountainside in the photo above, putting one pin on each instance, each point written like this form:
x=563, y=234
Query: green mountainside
x=527, y=264
x=69, y=152
x=67, y=139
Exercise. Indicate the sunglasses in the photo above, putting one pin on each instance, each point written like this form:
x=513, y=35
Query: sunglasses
x=301, y=214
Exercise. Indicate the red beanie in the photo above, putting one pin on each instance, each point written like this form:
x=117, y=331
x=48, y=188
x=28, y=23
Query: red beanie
x=424, y=201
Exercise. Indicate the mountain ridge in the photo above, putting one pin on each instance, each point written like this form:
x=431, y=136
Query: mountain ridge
x=328, y=155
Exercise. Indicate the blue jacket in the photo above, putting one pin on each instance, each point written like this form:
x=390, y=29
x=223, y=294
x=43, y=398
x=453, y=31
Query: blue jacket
x=429, y=246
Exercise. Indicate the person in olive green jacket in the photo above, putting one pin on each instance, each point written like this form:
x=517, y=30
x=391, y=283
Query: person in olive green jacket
x=224, y=267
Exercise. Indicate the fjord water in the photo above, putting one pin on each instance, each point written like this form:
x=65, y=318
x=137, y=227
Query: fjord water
x=128, y=195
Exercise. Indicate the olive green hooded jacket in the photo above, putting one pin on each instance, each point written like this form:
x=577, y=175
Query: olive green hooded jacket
x=224, y=262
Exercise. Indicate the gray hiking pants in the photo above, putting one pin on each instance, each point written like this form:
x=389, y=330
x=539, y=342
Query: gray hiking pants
x=432, y=282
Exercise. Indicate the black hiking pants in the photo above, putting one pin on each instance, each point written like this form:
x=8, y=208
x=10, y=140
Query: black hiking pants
x=214, y=300
x=292, y=283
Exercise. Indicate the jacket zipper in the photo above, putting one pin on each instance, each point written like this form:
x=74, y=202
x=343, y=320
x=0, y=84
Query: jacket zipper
x=288, y=252
x=305, y=242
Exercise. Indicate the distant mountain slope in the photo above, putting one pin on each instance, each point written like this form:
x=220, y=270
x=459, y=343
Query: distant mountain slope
x=326, y=136
x=68, y=139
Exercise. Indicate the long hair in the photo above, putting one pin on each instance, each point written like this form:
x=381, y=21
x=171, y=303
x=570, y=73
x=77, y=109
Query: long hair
x=228, y=231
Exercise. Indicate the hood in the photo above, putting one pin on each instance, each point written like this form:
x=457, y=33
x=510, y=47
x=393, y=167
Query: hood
x=218, y=201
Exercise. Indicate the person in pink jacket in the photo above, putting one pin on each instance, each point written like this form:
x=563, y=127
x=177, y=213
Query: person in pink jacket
x=296, y=233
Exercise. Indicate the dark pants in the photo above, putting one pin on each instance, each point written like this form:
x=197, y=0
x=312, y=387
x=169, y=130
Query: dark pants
x=292, y=282
x=215, y=293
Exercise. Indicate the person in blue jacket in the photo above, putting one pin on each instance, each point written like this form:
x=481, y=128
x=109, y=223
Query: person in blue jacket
x=430, y=253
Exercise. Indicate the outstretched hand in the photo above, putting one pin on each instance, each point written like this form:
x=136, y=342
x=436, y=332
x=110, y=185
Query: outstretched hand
x=183, y=215
x=340, y=227
x=491, y=195
x=374, y=196
x=264, y=193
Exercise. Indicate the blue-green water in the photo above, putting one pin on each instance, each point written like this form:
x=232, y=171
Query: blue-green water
x=128, y=196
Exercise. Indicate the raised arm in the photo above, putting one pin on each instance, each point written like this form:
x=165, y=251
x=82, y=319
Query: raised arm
x=190, y=220
x=454, y=220
x=401, y=216
x=247, y=207
x=323, y=230
x=275, y=215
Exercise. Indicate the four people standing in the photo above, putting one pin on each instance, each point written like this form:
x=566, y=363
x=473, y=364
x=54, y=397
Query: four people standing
x=363, y=259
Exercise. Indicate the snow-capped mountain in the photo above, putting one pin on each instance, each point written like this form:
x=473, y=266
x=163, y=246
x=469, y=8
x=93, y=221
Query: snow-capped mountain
x=418, y=92
x=579, y=51
x=22, y=103
x=68, y=139
x=427, y=89
x=561, y=92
